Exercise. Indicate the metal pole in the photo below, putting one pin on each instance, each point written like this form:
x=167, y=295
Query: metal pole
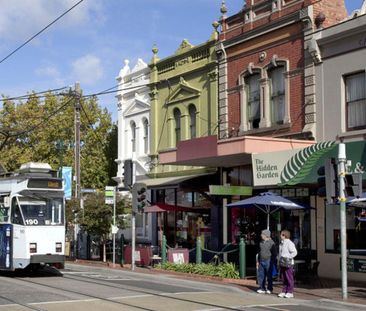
x=77, y=156
x=122, y=244
x=114, y=226
x=242, y=261
x=133, y=240
x=224, y=216
x=163, y=249
x=342, y=198
x=133, y=223
x=198, y=251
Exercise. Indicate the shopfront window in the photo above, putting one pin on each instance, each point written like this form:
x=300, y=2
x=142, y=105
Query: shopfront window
x=356, y=228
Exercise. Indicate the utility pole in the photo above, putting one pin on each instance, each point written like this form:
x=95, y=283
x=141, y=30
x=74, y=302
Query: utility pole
x=342, y=198
x=77, y=106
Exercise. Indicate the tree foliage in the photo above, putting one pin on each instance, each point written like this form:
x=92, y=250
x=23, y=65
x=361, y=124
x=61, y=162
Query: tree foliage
x=42, y=130
x=97, y=217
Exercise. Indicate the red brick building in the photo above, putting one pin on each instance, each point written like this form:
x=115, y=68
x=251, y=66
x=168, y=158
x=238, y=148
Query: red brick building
x=266, y=70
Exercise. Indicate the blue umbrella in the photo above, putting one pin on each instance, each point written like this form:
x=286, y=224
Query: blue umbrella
x=268, y=203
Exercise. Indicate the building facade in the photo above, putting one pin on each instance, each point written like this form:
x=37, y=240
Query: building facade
x=341, y=109
x=183, y=109
x=134, y=130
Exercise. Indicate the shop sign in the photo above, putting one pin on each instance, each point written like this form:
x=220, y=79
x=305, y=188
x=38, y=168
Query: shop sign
x=230, y=190
x=109, y=195
x=267, y=167
x=356, y=265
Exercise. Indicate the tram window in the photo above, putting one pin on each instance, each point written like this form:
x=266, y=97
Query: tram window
x=4, y=211
x=16, y=216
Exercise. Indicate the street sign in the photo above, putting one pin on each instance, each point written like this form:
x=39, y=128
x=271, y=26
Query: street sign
x=230, y=190
x=114, y=229
x=86, y=190
x=109, y=195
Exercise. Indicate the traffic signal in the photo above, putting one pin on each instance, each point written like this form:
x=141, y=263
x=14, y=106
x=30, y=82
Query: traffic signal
x=139, y=198
x=127, y=173
x=328, y=180
x=353, y=187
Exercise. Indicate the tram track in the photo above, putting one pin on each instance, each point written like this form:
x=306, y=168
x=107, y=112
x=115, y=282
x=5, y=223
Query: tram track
x=16, y=303
x=90, y=280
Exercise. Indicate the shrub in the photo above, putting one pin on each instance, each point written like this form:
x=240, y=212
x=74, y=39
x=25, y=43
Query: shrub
x=223, y=270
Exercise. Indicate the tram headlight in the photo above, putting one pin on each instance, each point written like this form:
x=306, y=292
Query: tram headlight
x=58, y=247
x=33, y=248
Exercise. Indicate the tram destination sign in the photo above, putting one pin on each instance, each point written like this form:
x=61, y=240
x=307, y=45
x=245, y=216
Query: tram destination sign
x=44, y=183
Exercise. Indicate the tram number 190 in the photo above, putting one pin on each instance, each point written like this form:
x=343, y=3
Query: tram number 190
x=31, y=222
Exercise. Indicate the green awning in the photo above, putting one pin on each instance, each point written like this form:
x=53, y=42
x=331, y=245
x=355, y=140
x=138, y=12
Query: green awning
x=299, y=169
x=303, y=167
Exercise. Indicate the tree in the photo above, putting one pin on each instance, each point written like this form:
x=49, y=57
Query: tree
x=111, y=152
x=32, y=131
x=96, y=217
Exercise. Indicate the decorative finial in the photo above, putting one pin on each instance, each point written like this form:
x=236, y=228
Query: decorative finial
x=223, y=8
x=126, y=61
x=216, y=25
x=155, y=50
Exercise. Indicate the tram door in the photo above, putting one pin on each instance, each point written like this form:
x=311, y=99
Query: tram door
x=6, y=246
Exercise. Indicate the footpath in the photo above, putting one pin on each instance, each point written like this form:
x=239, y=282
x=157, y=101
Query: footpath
x=320, y=289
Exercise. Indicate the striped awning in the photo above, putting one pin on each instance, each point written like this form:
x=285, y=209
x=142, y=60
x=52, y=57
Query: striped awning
x=302, y=167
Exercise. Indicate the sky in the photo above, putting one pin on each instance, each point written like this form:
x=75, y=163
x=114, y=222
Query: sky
x=90, y=44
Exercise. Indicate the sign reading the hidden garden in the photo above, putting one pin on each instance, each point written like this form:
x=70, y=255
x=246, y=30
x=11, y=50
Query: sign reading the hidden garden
x=267, y=167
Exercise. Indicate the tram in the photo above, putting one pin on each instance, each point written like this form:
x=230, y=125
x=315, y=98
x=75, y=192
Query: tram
x=32, y=218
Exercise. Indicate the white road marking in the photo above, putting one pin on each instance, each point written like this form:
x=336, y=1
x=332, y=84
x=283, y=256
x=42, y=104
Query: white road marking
x=62, y=301
x=128, y=297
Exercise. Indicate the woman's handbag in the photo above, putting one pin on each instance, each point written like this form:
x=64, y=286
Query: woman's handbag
x=285, y=262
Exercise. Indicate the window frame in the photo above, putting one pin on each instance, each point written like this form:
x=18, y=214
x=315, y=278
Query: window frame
x=192, y=111
x=133, y=135
x=177, y=124
x=250, y=120
x=345, y=77
x=282, y=94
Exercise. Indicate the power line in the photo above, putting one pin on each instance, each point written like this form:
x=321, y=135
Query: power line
x=44, y=121
x=39, y=32
x=35, y=94
x=91, y=124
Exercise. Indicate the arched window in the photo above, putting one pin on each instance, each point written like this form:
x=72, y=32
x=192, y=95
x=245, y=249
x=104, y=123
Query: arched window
x=133, y=136
x=253, y=99
x=146, y=135
x=192, y=120
x=177, y=116
x=277, y=94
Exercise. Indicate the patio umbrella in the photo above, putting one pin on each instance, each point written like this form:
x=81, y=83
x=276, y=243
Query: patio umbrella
x=268, y=203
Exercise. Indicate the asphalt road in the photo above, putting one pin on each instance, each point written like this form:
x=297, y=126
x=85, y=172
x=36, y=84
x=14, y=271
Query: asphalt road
x=89, y=288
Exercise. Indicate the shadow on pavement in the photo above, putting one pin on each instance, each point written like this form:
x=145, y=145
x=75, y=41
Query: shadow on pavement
x=38, y=272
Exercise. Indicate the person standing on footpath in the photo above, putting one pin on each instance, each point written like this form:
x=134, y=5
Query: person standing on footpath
x=286, y=261
x=266, y=258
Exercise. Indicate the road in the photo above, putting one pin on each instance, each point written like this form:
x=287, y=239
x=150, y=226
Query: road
x=88, y=288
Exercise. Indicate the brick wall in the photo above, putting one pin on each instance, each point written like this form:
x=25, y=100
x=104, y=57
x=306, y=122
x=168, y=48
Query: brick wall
x=334, y=10
x=290, y=48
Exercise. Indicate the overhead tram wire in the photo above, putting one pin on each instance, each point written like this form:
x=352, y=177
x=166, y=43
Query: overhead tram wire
x=39, y=32
x=91, y=124
x=44, y=121
x=35, y=94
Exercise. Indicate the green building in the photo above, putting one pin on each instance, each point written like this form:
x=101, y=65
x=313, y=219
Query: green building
x=184, y=109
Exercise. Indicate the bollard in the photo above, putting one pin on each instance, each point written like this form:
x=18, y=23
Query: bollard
x=198, y=251
x=121, y=246
x=242, y=259
x=163, y=250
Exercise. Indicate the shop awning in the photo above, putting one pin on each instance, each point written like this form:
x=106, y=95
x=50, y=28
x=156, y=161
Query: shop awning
x=170, y=181
x=302, y=167
x=162, y=208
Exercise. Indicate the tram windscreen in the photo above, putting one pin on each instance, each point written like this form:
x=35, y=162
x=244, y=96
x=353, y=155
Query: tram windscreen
x=38, y=211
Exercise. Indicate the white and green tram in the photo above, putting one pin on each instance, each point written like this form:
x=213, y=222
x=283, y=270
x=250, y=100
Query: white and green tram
x=32, y=218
